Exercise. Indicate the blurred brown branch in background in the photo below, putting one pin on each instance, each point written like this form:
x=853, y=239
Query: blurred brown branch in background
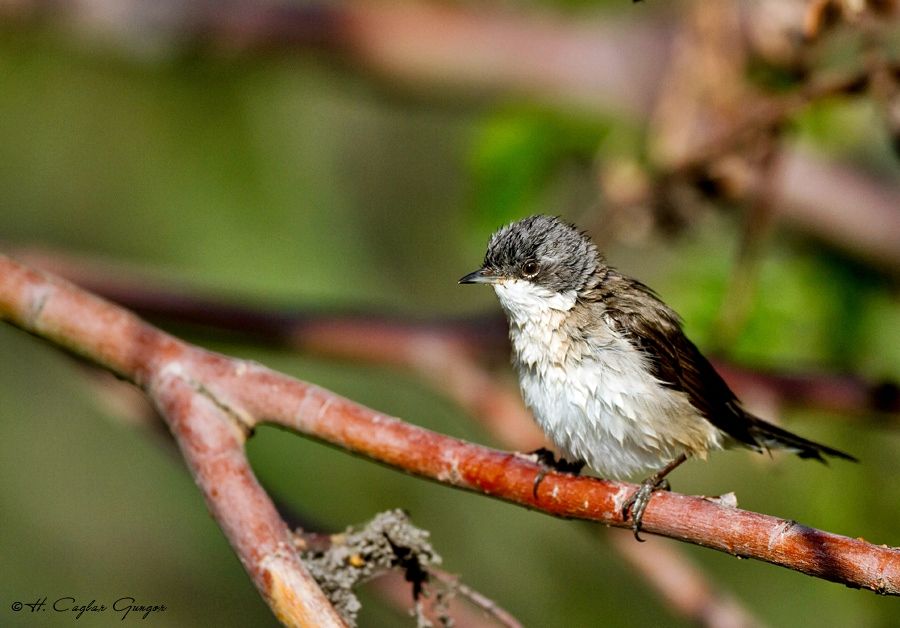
x=717, y=136
x=437, y=349
x=688, y=79
x=212, y=404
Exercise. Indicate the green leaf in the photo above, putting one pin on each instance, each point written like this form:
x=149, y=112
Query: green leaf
x=515, y=155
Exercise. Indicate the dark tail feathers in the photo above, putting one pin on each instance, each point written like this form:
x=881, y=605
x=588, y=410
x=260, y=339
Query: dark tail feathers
x=770, y=436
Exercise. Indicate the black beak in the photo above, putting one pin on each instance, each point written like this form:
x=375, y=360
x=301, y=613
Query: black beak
x=480, y=276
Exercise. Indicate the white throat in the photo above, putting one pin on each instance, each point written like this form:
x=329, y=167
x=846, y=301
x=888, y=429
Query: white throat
x=526, y=302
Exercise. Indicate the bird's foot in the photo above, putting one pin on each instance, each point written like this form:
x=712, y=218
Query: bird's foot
x=546, y=458
x=548, y=462
x=637, y=503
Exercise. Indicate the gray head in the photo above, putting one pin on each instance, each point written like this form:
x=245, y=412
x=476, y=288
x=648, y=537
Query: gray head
x=541, y=250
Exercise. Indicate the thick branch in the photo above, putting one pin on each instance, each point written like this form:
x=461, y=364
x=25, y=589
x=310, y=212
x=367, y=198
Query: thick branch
x=322, y=415
x=213, y=446
x=248, y=392
x=210, y=435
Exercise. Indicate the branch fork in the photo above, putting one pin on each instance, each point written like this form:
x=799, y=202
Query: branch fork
x=212, y=402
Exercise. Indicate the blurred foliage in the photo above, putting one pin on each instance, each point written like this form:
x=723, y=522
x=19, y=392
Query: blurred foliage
x=850, y=130
x=287, y=180
x=812, y=309
x=516, y=153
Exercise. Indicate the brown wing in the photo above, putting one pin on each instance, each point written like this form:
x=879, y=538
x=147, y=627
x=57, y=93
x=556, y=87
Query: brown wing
x=637, y=313
x=656, y=330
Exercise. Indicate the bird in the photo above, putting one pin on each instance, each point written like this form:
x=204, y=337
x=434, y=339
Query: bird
x=606, y=369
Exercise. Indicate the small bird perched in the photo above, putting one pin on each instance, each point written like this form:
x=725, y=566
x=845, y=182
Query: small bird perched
x=606, y=368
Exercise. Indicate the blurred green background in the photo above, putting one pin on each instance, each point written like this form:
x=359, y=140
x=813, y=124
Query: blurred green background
x=291, y=180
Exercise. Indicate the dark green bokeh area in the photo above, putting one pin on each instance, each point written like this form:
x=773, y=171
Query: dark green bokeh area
x=286, y=180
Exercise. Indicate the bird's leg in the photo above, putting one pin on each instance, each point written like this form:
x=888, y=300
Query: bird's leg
x=637, y=503
x=549, y=461
x=544, y=456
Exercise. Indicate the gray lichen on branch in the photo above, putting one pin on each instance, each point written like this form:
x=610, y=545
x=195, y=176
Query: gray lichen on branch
x=389, y=541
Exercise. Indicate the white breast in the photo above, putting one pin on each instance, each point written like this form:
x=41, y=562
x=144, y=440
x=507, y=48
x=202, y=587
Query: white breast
x=597, y=401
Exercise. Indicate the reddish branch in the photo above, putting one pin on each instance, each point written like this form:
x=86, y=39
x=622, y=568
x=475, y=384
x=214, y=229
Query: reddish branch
x=453, y=370
x=501, y=412
x=210, y=437
x=213, y=401
x=212, y=444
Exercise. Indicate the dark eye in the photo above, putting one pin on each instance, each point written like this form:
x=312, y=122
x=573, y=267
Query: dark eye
x=530, y=268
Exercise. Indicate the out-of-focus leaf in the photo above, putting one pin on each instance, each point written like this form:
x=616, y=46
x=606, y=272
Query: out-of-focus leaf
x=516, y=153
x=842, y=127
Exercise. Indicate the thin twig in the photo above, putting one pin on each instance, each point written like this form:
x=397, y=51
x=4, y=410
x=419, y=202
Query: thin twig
x=380, y=569
x=479, y=600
